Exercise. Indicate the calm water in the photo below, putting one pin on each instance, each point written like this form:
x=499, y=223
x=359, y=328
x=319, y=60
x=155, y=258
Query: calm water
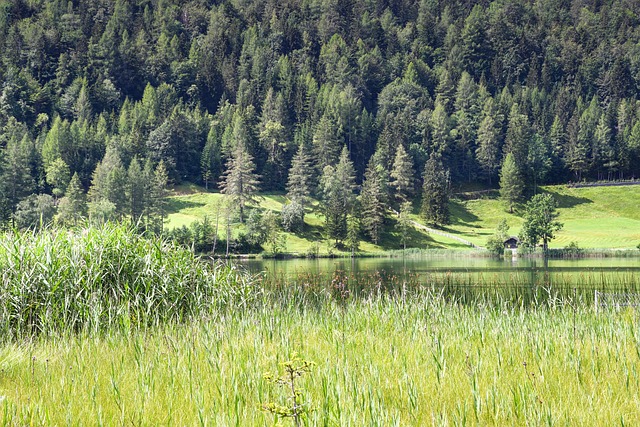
x=466, y=279
x=478, y=270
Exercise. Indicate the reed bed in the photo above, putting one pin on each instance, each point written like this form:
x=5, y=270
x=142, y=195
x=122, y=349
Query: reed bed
x=104, y=278
x=379, y=362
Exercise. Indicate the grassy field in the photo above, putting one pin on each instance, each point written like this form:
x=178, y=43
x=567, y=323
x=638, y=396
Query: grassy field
x=597, y=217
x=192, y=203
x=105, y=327
x=380, y=362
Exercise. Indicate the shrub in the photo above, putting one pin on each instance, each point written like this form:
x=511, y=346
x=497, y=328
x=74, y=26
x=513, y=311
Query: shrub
x=293, y=216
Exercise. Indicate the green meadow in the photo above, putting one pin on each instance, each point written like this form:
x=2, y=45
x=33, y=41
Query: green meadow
x=596, y=217
x=377, y=362
x=106, y=327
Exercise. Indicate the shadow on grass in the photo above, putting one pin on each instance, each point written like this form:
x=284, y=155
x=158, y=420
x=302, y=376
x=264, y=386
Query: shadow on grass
x=176, y=205
x=460, y=215
x=391, y=239
x=567, y=201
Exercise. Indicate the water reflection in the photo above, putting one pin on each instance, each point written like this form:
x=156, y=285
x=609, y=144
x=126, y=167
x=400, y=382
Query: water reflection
x=464, y=278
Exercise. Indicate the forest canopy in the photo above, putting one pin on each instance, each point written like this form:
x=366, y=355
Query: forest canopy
x=116, y=94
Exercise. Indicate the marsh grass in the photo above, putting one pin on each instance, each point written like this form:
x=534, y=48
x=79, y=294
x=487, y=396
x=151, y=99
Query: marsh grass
x=101, y=279
x=380, y=361
x=103, y=327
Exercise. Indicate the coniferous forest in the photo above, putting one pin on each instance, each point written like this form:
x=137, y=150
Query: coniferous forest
x=104, y=103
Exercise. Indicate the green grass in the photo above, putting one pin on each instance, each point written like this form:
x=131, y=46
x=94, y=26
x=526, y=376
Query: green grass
x=102, y=278
x=105, y=327
x=193, y=203
x=379, y=362
x=596, y=217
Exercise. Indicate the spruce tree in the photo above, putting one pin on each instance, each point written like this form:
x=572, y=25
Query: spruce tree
x=435, y=193
x=487, y=150
x=73, y=206
x=511, y=183
x=240, y=182
x=136, y=191
x=404, y=223
x=16, y=181
x=299, y=184
x=372, y=200
x=107, y=193
x=402, y=180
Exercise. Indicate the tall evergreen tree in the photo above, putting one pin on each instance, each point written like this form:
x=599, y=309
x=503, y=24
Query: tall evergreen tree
x=107, y=193
x=511, y=183
x=16, y=181
x=487, y=151
x=73, y=206
x=240, y=182
x=435, y=193
x=299, y=185
x=402, y=176
x=136, y=192
x=372, y=200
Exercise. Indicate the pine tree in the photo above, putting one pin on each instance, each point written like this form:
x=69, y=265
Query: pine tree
x=404, y=222
x=58, y=175
x=136, y=192
x=107, y=193
x=372, y=200
x=73, y=206
x=518, y=138
x=487, y=151
x=156, y=207
x=338, y=185
x=299, y=184
x=210, y=161
x=353, y=234
x=402, y=180
x=435, y=193
x=440, y=130
x=16, y=181
x=511, y=183
x=332, y=205
x=239, y=181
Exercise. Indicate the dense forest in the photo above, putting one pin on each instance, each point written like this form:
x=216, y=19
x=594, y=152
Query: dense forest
x=105, y=102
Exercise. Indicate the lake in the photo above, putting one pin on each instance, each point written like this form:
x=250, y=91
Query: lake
x=464, y=277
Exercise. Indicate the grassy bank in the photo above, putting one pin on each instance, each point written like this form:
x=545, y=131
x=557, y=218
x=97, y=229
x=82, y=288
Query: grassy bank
x=379, y=362
x=598, y=217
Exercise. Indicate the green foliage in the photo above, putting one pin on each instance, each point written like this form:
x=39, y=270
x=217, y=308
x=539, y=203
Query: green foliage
x=540, y=221
x=511, y=183
x=36, y=211
x=293, y=216
x=495, y=243
x=404, y=223
x=435, y=193
x=240, y=181
x=101, y=279
x=294, y=368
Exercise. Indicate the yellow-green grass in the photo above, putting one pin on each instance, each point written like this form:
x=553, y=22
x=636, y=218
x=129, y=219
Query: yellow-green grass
x=379, y=362
x=594, y=217
x=192, y=203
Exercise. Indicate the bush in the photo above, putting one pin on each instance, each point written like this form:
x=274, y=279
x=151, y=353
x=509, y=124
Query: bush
x=293, y=216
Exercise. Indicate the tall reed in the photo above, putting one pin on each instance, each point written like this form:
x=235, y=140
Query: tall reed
x=100, y=278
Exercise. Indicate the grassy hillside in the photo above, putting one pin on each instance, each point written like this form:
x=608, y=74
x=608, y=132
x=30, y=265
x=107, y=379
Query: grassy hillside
x=599, y=217
x=596, y=217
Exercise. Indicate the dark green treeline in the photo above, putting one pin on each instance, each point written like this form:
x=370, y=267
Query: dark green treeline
x=124, y=96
